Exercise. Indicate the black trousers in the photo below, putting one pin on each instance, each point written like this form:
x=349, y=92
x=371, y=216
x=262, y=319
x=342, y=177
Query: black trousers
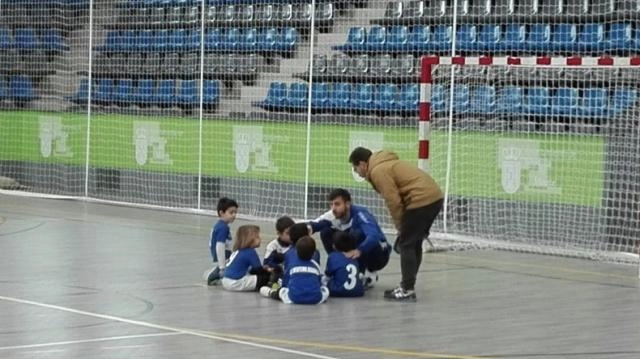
x=415, y=226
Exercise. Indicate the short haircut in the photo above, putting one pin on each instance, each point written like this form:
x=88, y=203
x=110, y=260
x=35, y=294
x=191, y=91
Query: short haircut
x=359, y=154
x=225, y=203
x=283, y=223
x=298, y=231
x=306, y=247
x=340, y=192
x=344, y=242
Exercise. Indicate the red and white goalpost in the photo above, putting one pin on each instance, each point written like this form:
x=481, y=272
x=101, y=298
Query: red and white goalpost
x=555, y=219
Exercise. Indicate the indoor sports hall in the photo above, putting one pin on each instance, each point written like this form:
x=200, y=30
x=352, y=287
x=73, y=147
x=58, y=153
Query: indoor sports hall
x=124, y=122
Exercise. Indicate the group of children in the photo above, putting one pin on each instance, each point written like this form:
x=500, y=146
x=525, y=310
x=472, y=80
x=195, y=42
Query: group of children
x=290, y=271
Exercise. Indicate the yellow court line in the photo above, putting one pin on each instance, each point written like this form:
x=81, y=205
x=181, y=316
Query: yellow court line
x=349, y=348
x=525, y=265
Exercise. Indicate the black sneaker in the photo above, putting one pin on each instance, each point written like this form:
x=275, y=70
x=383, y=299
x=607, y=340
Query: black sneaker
x=399, y=294
x=214, y=277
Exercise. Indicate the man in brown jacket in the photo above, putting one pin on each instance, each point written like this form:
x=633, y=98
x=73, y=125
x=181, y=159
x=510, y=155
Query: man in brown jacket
x=414, y=200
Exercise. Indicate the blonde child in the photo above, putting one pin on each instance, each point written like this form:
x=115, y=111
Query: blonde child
x=244, y=272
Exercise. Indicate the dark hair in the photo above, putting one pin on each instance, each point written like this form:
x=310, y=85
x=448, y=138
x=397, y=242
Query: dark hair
x=305, y=248
x=298, y=231
x=344, y=242
x=225, y=203
x=359, y=154
x=340, y=192
x=283, y=223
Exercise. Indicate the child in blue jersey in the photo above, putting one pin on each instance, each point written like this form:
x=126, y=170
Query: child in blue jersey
x=344, y=278
x=276, y=250
x=244, y=272
x=220, y=240
x=304, y=277
x=274, y=254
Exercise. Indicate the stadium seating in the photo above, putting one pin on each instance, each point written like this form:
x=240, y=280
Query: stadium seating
x=511, y=38
x=480, y=100
x=233, y=39
x=147, y=92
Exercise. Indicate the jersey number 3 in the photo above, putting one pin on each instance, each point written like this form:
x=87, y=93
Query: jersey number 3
x=352, y=277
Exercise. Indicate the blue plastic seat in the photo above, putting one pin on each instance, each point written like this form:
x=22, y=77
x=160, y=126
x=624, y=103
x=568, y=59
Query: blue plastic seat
x=538, y=101
x=565, y=102
x=441, y=41
x=145, y=40
x=188, y=93
x=192, y=40
x=177, y=38
x=319, y=95
x=160, y=41
x=297, y=95
x=594, y=103
x=123, y=92
x=461, y=99
x=466, y=38
x=510, y=100
x=340, y=96
x=230, y=39
x=386, y=97
x=276, y=95
x=269, y=39
x=376, y=38
x=144, y=92
x=514, y=38
x=483, y=100
x=398, y=39
x=622, y=99
x=112, y=42
x=409, y=97
x=6, y=41
x=54, y=41
x=104, y=92
x=591, y=38
x=249, y=40
x=81, y=96
x=439, y=98
x=489, y=38
x=419, y=38
x=165, y=94
x=539, y=38
x=211, y=93
x=288, y=39
x=25, y=39
x=362, y=98
x=212, y=39
x=355, y=40
x=564, y=38
x=128, y=41
x=620, y=37
x=4, y=90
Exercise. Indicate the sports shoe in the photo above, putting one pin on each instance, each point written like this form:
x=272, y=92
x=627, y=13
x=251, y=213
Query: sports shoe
x=370, y=279
x=265, y=291
x=214, y=277
x=399, y=294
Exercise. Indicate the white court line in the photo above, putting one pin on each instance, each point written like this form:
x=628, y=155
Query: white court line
x=129, y=346
x=105, y=339
x=164, y=327
x=44, y=351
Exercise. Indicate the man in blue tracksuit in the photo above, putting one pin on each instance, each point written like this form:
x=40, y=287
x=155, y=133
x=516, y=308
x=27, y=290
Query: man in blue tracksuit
x=373, y=249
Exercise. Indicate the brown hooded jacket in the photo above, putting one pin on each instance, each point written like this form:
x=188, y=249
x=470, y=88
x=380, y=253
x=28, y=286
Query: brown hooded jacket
x=402, y=185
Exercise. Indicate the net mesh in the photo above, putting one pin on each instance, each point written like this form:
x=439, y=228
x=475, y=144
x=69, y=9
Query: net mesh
x=175, y=103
